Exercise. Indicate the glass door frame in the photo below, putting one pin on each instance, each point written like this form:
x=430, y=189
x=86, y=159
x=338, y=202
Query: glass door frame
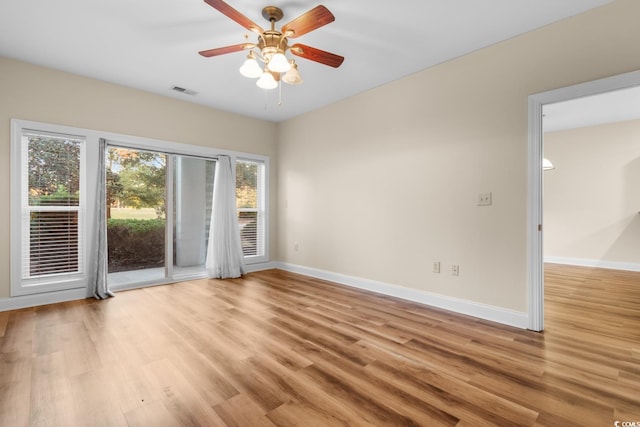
x=169, y=232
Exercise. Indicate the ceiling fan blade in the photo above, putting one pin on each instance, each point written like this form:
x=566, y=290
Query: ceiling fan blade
x=227, y=49
x=230, y=12
x=308, y=21
x=317, y=55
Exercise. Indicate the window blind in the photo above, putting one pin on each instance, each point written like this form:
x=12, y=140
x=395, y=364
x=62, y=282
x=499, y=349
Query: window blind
x=51, y=205
x=53, y=243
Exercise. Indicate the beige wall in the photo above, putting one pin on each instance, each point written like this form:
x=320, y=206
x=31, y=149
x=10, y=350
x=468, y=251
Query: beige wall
x=382, y=184
x=33, y=93
x=592, y=198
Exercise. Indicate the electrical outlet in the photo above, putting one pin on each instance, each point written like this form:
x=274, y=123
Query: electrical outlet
x=436, y=266
x=455, y=270
x=484, y=199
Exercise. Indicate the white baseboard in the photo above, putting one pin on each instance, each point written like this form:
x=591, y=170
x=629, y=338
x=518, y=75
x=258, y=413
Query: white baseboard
x=470, y=308
x=582, y=262
x=25, y=301
x=260, y=266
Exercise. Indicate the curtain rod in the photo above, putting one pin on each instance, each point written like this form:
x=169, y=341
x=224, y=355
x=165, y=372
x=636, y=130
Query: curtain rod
x=170, y=153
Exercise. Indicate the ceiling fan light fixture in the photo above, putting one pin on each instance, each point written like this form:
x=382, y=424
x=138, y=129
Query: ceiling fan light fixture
x=266, y=81
x=251, y=68
x=267, y=61
x=279, y=63
x=292, y=76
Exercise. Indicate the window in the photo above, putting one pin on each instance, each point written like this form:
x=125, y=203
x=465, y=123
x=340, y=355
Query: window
x=52, y=210
x=54, y=207
x=250, y=177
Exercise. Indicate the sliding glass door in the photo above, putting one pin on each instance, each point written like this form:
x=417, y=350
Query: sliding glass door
x=192, y=197
x=158, y=215
x=136, y=215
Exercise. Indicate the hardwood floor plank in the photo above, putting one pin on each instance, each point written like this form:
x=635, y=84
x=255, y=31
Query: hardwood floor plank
x=15, y=388
x=299, y=414
x=329, y=339
x=307, y=397
x=257, y=384
x=15, y=403
x=388, y=406
x=20, y=332
x=279, y=349
x=378, y=345
x=151, y=414
x=240, y=411
x=547, y=401
x=203, y=374
x=179, y=397
x=79, y=351
x=460, y=399
x=52, y=401
x=4, y=319
x=607, y=391
x=334, y=311
x=95, y=399
x=134, y=389
x=15, y=367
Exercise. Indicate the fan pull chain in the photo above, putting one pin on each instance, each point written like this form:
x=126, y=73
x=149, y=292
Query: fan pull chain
x=279, y=94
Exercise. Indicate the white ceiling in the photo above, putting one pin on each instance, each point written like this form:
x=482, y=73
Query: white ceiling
x=153, y=45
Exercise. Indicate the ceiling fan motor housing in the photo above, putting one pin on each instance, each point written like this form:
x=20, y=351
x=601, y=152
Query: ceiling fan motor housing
x=272, y=42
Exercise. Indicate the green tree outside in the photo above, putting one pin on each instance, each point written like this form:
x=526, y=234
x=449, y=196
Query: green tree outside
x=136, y=179
x=54, y=171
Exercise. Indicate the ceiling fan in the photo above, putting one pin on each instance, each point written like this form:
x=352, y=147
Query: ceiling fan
x=273, y=44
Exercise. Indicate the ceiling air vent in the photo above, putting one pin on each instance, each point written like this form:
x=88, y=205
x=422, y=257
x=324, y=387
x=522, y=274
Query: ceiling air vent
x=183, y=90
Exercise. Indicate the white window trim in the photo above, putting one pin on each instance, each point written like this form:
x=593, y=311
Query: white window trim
x=262, y=210
x=92, y=137
x=60, y=282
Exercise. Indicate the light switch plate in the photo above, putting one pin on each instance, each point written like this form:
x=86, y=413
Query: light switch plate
x=484, y=199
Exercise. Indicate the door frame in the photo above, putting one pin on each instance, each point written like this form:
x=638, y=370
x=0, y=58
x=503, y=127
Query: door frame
x=535, y=230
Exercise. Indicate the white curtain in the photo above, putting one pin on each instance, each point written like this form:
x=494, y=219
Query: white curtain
x=224, y=251
x=98, y=275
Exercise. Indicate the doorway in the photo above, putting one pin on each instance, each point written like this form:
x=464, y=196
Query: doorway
x=158, y=216
x=535, y=229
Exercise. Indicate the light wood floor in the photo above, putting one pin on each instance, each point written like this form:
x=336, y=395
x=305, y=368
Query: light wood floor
x=280, y=349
